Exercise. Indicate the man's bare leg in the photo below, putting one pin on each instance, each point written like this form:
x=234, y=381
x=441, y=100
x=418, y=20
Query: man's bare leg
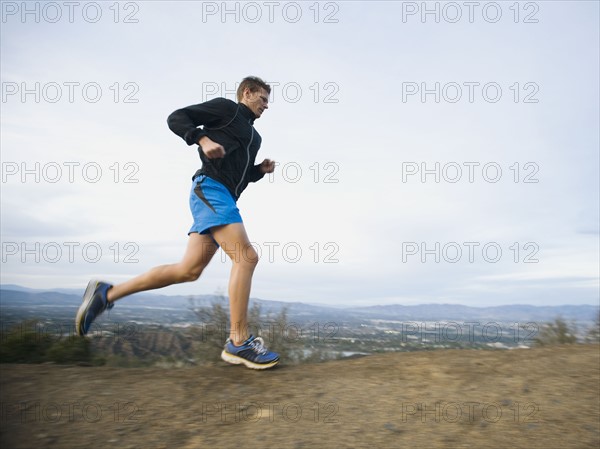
x=200, y=250
x=234, y=241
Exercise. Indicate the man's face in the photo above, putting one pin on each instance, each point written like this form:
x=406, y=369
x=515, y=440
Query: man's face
x=257, y=101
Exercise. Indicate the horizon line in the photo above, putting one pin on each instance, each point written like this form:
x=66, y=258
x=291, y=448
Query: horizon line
x=151, y=293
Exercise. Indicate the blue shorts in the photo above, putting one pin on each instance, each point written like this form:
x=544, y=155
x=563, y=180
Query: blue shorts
x=211, y=205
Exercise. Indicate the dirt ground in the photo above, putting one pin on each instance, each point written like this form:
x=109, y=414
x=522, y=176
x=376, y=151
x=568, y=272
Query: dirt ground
x=526, y=398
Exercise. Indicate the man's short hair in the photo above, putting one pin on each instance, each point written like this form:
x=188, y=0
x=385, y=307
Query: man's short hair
x=254, y=83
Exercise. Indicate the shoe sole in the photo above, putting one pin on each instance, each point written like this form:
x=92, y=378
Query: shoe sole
x=85, y=305
x=235, y=360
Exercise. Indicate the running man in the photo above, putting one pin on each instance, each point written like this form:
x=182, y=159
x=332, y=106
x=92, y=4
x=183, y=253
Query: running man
x=228, y=144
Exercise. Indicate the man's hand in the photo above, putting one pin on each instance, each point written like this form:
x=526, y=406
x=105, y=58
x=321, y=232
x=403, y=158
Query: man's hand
x=211, y=149
x=267, y=166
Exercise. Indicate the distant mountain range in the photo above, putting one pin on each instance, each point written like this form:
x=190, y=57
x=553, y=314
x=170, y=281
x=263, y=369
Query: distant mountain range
x=14, y=297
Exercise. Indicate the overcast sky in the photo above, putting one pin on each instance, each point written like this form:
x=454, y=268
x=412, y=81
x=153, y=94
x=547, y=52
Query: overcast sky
x=428, y=152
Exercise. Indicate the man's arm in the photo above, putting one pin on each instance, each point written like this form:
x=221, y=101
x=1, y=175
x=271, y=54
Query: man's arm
x=258, y=171
x=184, y=122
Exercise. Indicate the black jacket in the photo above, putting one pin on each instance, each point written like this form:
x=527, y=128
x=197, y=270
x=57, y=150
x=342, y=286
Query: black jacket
x=229, y=124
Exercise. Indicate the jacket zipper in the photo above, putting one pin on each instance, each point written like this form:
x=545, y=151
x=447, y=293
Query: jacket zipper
x=247, y=161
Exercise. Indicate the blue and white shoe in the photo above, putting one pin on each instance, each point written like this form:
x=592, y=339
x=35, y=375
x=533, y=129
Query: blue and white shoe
x=251, y=353
x=93, y=305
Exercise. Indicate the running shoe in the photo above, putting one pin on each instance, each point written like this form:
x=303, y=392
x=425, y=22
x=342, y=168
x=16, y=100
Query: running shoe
x=251, y=353
x=93, y=305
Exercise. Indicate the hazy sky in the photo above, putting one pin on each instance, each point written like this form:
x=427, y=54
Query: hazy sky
x=428, y=152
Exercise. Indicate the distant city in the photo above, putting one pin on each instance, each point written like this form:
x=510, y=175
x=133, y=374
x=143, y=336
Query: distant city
x=340, y=332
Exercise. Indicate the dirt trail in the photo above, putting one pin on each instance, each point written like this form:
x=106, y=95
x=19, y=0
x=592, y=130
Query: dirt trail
x=536, y=398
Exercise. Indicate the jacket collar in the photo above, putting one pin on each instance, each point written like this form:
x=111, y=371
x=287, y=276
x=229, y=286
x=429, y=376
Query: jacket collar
x=246, y=112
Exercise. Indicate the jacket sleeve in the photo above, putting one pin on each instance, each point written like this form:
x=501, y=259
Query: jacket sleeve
x=254, y=174
x=185, y=121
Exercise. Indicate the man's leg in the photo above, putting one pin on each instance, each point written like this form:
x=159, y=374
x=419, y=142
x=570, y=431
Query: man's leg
x=99, y=296
x=200, y=250
x=234, y=241
x=241, y=349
